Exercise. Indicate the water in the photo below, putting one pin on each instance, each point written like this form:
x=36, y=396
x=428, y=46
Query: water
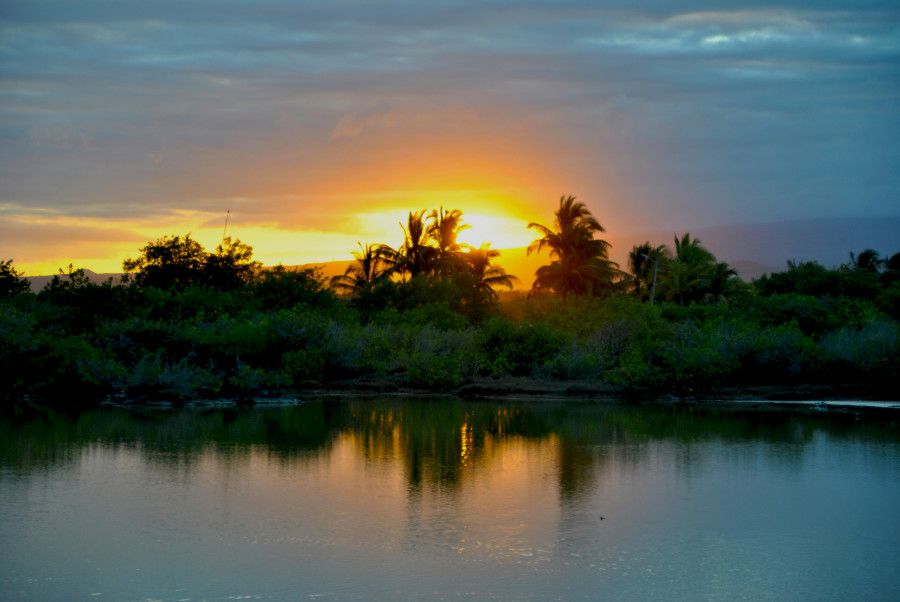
x=414, y=499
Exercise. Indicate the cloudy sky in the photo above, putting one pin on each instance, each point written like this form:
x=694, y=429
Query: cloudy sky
x=319, y=124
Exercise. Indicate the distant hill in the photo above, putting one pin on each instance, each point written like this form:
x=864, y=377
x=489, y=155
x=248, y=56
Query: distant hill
x=39, y=282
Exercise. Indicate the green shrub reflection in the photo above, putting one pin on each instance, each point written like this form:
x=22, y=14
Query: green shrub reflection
x=436, y=441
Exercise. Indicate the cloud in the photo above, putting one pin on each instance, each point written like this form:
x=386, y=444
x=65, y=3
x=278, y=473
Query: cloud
x=672, y=113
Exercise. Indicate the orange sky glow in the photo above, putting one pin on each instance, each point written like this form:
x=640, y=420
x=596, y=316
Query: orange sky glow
x=497, y=200
x=319, y=125
x=105, y=243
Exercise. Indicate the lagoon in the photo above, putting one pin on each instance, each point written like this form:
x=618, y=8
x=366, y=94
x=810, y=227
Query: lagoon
x=402, y=498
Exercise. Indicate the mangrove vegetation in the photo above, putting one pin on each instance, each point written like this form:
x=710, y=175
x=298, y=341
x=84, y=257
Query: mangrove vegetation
x=435, y=314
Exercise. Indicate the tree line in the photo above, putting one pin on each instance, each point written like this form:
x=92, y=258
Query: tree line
x=579, y=265
x=186, y=322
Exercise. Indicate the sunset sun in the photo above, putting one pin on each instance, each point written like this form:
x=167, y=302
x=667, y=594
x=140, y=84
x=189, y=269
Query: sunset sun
x=502, y=232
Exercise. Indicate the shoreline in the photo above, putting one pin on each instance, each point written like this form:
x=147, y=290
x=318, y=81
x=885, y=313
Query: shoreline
x=531, y=390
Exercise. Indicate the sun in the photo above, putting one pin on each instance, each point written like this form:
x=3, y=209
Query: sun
x=500, y=231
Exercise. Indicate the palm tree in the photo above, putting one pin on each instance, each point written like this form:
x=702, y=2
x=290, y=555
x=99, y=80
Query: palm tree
x=443, y=229
x=693, y=274
x=893, y=262
x=368, y=268
x=723, y=281
x=644, y=262
x=868, y=260
x=445, y=226
x=415, y=256
x=580, y=263
x=686, y=276
x=690, y=252
x=485, y=275
x=681, y=282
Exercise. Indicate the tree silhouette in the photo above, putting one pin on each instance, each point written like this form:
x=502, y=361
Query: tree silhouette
x=178, y=262
x=443, y=229
x=685, y=276
x=368, y=268
x=11, y=281
x=693, y=274
x=580, y=263
x=429, y=247
x=868, y=260
x=231, y=266
x=415, y=256
x=891, y=269
x=642, y=260
x=485, y=275
x=690, y=252
x=722, y=281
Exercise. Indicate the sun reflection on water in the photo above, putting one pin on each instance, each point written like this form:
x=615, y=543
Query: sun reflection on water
x=465, y=444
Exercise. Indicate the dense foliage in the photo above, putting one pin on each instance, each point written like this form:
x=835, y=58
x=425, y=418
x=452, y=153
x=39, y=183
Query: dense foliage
x=190, y=323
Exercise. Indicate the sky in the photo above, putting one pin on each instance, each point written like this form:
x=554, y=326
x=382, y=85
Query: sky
x=317, y=125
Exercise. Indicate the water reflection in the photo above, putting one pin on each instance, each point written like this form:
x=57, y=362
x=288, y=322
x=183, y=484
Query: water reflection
x=437, y=441
x=387, y=498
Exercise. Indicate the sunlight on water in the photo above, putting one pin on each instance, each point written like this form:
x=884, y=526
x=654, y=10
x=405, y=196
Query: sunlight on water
x=446, y=500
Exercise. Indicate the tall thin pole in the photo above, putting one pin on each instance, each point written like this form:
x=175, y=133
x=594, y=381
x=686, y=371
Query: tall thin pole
x=226, y=225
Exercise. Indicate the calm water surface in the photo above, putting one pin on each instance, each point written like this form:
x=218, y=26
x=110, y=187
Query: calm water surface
x=413, y=499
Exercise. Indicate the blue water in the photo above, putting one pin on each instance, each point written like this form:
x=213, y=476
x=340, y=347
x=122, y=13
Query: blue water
x=385, y=499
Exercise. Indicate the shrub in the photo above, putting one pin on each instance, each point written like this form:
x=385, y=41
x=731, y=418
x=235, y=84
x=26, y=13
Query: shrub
x=519, y=348
x=441, y=358
x=777, y=354
x=870, y=353
x=888, y=300
x=637, y=372
x=154, y=375
x=696, y=358
x=303, y=364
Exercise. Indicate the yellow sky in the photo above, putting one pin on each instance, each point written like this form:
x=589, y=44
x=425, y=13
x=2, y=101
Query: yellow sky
x=102, y=244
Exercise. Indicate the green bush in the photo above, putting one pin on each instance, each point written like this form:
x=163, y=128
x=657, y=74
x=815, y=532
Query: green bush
x=868, y=353
x=283, y=328
x=520, y=348
x=303, y=364
x=888, y=300
x=696, y=358
x=637, y=372
x=777, y=354
x=154, y=375
x=441, y=358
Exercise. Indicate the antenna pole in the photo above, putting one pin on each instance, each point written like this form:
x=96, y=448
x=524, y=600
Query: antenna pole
x=226, y=225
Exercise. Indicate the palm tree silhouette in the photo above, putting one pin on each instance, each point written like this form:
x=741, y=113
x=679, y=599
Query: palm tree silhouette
x=485, y=275
x=690, y=252
x=443, y=229
x=693, y=274
x=722, y=281
x=368, y=268
x=868, y=260
x=580, y=263
x=415, y=256
x=642, y=260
